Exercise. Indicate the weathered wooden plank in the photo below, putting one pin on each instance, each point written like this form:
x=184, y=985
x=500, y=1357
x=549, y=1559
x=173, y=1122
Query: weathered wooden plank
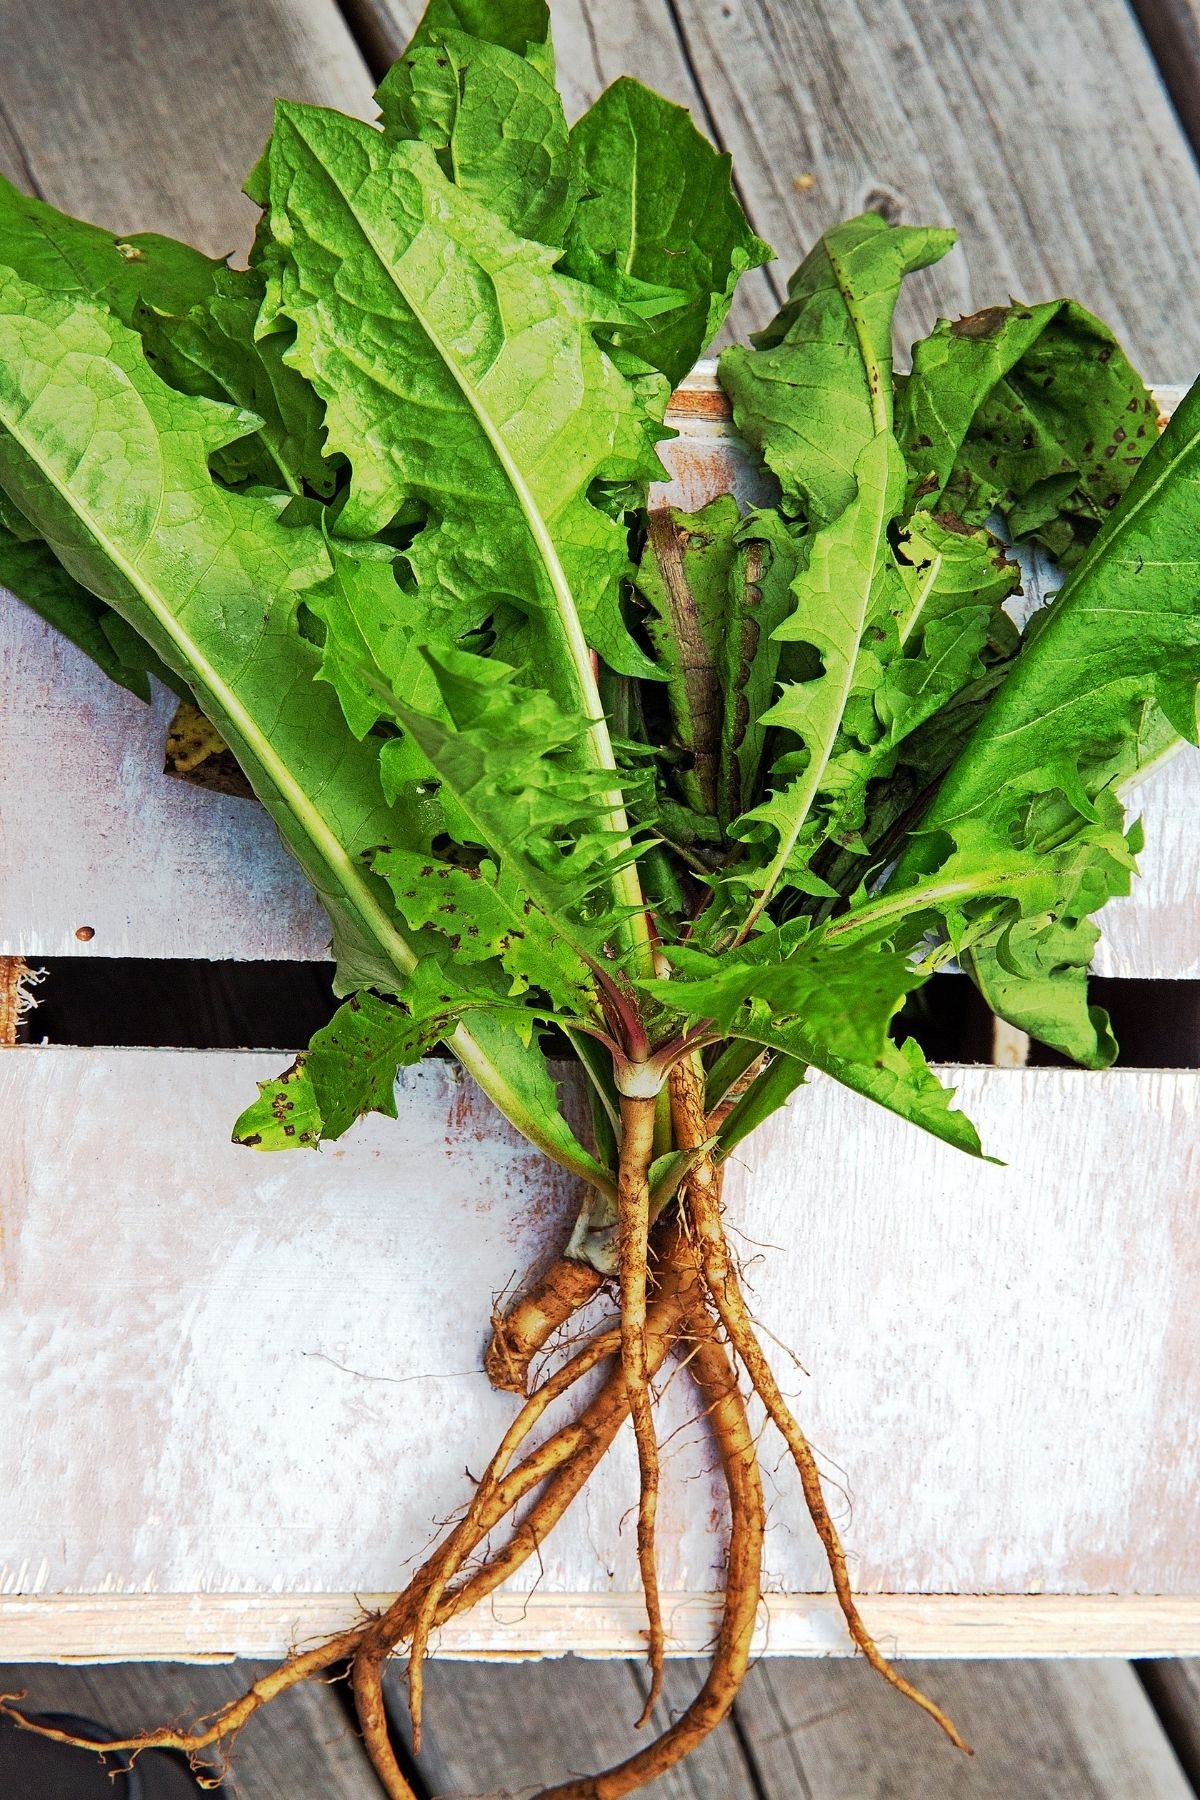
x=826, y=1730
x=301, y=1747
x=1173, y=1688
x=167, y=109
x=101, y=856
x=1043, y=133
x=100, y=853
x=245, y=1385
x=831, y=1731
x=501, y=1730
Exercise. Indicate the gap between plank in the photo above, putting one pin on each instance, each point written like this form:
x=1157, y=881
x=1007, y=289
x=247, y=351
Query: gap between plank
x=715, y=133
x=1171, y=29
x=361, y=19
x=1173, y=1705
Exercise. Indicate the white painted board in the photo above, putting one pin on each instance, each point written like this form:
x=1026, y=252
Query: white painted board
x=240, y=1375
x=94, y=837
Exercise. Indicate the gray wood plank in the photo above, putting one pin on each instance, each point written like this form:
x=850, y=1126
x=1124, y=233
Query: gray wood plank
x=500, y=1729
x=148, y=116
x=301, y=1747
x=1042, y=132
x=1073, y=1730
x=1173, y=1688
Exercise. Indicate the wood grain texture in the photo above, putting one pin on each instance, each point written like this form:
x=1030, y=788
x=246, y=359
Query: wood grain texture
x=1042, y=132
x=493, y=1730
x=299, y=1748
x=1003, y=1369
x=823, y=1730
x=1078, y=1731
x=148, y=115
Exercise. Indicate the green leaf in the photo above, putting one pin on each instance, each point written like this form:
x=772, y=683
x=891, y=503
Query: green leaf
x=286, y=1115
x=522, y=26
x=825, y=1003
x=846, y=579
x=1102, y=690
x=461, y=378
x=1034, y=410
x=463, y=383
x=945, y=629
x=505, y=752
x=818, y=388
x=212, y=350
x=659, y=209
x=67, y=256
x=769, y=555
x=485, y=915
x=351, y=1066
x=349, y=1069
x=495, y=124
x=62, y=255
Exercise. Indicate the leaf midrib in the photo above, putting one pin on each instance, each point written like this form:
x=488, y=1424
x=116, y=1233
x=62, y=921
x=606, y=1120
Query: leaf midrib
x=806, y=787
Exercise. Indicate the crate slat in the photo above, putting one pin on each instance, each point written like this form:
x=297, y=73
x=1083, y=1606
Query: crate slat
x=230, y=1397
x=94, y=839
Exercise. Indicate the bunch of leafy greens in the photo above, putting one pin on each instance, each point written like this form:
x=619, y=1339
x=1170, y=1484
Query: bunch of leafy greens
x=565, y=773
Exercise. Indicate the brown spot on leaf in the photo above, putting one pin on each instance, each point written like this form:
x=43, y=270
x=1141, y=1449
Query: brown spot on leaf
x=983, y=324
